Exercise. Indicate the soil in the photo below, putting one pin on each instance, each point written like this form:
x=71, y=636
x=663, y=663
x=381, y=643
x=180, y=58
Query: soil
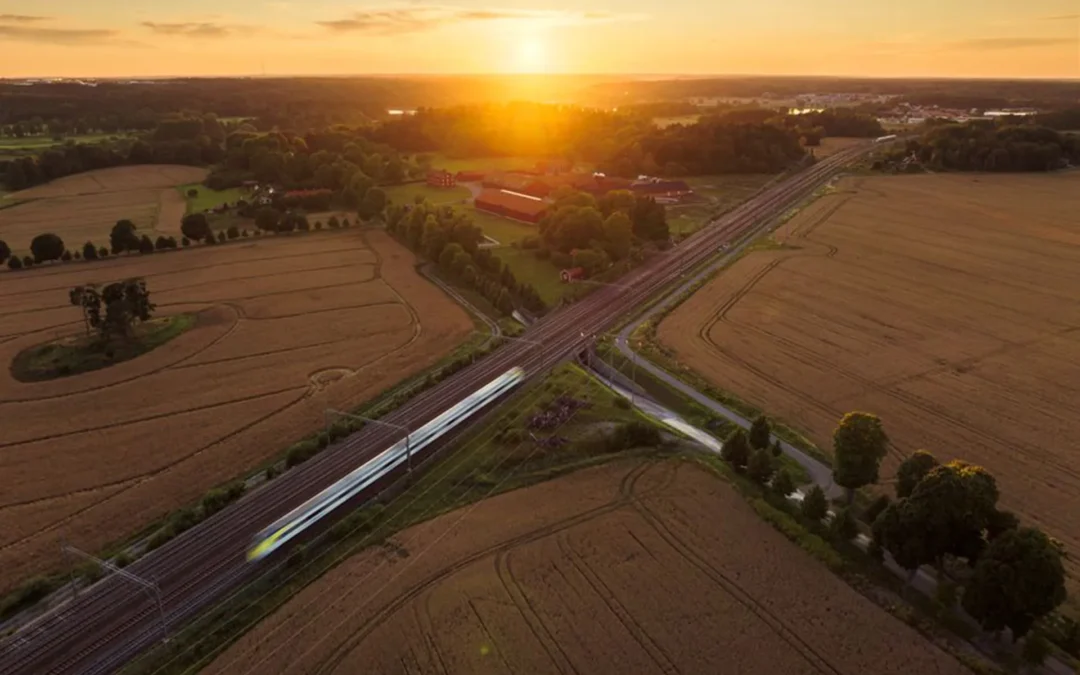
x=633, y=567
x=96, y=456
x=946, y=304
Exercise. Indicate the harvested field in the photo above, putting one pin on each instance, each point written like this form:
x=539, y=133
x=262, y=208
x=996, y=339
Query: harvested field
x=944, y=303
x=286, y=327
x=84, y=207
x=621, y=568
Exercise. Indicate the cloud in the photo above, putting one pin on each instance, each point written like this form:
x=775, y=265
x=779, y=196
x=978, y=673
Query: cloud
x=993, y=44
x=21, y=18
x=62, y=36
x=194, y=29
x=426, y=17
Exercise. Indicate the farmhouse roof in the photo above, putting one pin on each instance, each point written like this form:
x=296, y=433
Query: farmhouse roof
x=511, y=201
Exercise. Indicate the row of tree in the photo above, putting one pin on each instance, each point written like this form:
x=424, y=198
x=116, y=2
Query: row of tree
x=986, y=146
x=450, y=239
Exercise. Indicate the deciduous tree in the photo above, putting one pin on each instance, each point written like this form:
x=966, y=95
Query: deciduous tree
x=760, y=465
x=618, y=235
x=912, y=470
x=123, y=238
x=195, y=227
x=5, y=251
x=89, y=252
x=46, y=247
x=859, y=445
x=1019, y=579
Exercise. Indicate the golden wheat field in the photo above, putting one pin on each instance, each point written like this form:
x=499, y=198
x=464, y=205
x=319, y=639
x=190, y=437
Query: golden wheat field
x=623, y=568
x=84, y=207
x=285, y=328
x=944, y=303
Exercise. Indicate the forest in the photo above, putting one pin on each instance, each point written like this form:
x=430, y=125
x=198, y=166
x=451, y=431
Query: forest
x=985, y=146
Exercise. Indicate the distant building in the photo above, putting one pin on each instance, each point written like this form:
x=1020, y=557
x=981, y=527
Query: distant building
x=469, y=176
x=439, y=178
x=515, y=205
x=655, y=187
x=572, y=274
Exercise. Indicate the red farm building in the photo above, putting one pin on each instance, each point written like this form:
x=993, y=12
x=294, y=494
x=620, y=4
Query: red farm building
x=513, y=205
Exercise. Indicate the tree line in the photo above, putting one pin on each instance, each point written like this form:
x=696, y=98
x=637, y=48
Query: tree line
x=450, y=239
x=987, y=146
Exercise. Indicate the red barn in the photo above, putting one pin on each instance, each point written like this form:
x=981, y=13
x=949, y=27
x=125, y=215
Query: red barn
x=512, y=205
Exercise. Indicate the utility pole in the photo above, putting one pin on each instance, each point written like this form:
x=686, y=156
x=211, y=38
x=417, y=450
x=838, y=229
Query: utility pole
x=330, y=413
x=151, y=586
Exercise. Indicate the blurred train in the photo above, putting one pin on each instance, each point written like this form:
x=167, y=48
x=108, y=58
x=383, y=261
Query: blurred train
x=312, y=511
x=885, y=139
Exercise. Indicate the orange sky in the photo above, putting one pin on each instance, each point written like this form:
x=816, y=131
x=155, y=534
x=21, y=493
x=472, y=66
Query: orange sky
x=952, y=38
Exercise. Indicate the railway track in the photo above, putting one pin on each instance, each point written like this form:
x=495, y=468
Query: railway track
x=113, y=621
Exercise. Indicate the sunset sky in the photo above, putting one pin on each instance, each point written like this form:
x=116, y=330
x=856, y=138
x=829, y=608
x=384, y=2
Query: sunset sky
x=981, y=38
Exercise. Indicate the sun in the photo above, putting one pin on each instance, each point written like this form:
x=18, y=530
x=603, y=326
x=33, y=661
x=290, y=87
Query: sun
x=531, y=56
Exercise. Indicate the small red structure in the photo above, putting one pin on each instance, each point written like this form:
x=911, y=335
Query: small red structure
x=440, y=178
x=572, y=274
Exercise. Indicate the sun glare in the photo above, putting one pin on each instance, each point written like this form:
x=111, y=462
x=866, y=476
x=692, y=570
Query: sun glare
x=531, y=56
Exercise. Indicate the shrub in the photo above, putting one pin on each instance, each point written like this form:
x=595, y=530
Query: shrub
x=736, y=449
x=161, y=244
x=245, y=233
x=623, y=403
x=159, y=538
x=272, y=472
x=318, y=224
x=814, y=505
x=338, y=430
x=66, y=256
x=195, y=226
x=233, y=232
x=782, y=483
x=218, y=498
x=345, y=222
x=221, y=237
x=185, y=242
x=334, y=223
x=635, y=435
x=34, y=591
x=5, y=251
x=843, y=526
x=103, y=252
x=78, y=255
x=122, y=560
x=300, y=452
x=145, y=245
x=777, y=449
x=183, y=520
x=760, y=466
x=27, y=261
x=192, y=192
x=14, y=263
x=89, y=252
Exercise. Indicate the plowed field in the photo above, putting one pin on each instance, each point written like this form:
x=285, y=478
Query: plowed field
x=286, y=327
x=629, y=568
x=947, y=304
x=84, y=207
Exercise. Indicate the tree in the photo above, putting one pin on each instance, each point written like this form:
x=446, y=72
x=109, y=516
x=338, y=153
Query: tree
x=89, y=252
x=185, y=242
x=195, y=227
x=876, y=508
x=266, y=219
x=88, y=299
x=145, y=245
x=125, y=303
x=859, y=445
x=27, y=261
x=123, y=238
x=5, y=251
x=373, y=204
x=221, y=236
x=1035, y=650
x=334, y=223
x=843, y=525
x=912, y=470
x=760, y=465
x=66, y=256
x=1017, y=581
x=760, y=432
x=736, y=449
x=782, y=483
x=814, y=505
x=618, y=235
x=14, y=263
x=103, y=252
x=777, y=449
x=47, y=247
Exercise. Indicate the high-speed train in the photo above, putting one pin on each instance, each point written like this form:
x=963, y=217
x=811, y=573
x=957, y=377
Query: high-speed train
x=310, y=512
